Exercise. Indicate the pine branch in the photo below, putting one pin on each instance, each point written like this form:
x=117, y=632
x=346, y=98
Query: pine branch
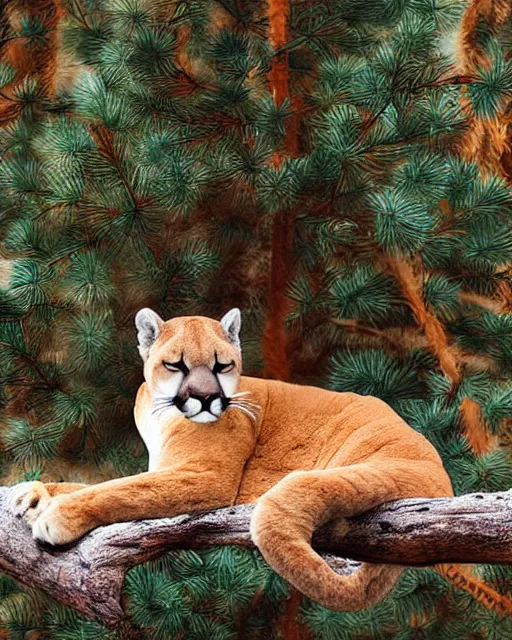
x=32, y=362
x=474, y=528
x=105, y=142
x=465, y=580
x=380, y=335
x=435, y=332
x=446, y=353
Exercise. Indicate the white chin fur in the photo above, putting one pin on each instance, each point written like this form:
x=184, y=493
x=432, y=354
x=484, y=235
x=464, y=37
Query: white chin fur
x=191, y=407
x=204, y=416
x=216, y=407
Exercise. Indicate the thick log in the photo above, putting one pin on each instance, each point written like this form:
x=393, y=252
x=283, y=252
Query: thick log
x=417, y=532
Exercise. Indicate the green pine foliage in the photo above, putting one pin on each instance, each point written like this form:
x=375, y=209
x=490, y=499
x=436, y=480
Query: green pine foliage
x=147, y=181
x=204, y=595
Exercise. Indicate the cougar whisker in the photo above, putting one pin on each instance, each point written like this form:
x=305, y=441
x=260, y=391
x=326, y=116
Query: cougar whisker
x=243, y=410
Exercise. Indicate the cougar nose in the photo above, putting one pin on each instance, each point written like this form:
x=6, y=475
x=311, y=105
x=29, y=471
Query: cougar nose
x=205, y=396
x=199, y=385
x=205, y=400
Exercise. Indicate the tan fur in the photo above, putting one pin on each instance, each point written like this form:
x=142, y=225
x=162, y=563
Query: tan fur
x=310, y=456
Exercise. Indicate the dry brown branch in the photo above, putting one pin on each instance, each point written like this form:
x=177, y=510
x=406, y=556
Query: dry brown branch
x=417, y=532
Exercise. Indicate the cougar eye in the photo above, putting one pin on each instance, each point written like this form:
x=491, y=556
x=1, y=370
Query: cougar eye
x=174, y=367
x=223, y=368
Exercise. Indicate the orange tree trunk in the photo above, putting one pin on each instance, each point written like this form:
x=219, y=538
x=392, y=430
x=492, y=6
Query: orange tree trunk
x=275, y=339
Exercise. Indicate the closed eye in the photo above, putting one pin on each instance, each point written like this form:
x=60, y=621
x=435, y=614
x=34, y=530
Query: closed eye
x=220, y=367
x=174, y=367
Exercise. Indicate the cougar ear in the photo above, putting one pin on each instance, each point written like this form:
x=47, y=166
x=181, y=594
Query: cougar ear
x=231, y=324
x=148, y=325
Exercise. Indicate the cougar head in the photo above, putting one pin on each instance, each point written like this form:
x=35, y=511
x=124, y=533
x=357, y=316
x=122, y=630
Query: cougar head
x=192, y=364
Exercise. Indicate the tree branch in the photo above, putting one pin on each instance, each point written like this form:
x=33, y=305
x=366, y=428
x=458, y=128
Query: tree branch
x=475, y=528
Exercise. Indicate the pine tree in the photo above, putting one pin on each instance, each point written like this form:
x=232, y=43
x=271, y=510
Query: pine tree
x=172, y=153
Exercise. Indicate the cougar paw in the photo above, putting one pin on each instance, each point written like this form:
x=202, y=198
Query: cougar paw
x=28, y=500
x=57, y=524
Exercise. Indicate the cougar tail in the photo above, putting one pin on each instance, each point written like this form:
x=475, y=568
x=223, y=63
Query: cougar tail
x=285, y=518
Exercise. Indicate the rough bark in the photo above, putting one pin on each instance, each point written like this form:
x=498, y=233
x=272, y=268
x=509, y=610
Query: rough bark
x=417, y=532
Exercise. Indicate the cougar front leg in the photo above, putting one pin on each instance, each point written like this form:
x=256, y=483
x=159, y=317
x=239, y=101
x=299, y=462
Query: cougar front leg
x=147, y=495
x=28, y=500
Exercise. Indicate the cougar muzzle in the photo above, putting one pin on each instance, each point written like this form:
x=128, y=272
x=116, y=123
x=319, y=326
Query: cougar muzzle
x=200, y=396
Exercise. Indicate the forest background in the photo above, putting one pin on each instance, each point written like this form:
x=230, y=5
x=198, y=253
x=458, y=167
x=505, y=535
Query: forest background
x=339, y=170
